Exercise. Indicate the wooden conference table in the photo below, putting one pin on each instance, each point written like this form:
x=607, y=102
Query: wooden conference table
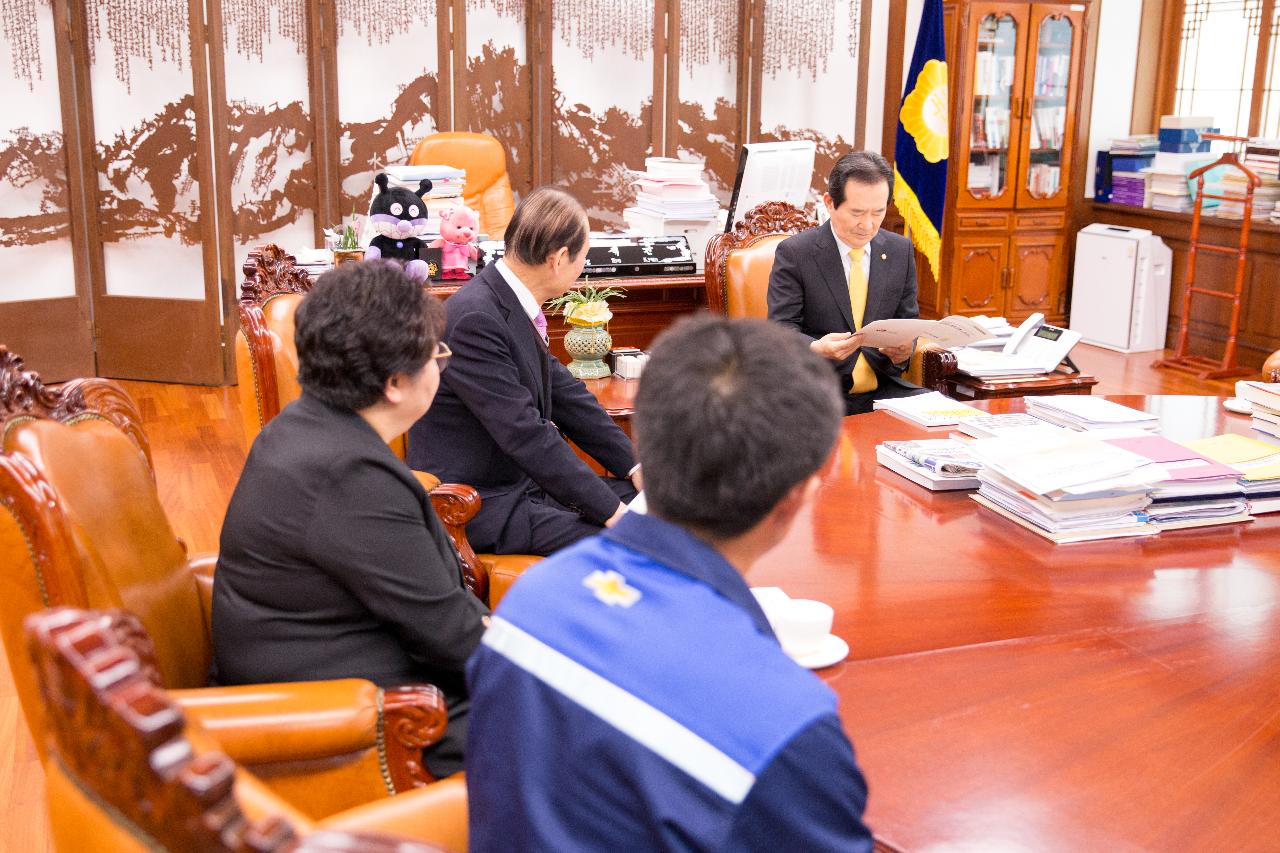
x=1007, y=694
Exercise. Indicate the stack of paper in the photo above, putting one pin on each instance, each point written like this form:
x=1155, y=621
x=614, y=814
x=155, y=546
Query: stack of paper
x=673, y=200
x=1065, y=487
x=447, y=184
x=999, y=329
x=316, y=262
x=1190, y=490
x=1264, y=397
x=1257, y=462
x=937, y=464
x=991, y=426
x=1082, y=412
x=932, y=409
x=1235, y=185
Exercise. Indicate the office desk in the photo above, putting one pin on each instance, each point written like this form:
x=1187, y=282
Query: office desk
x=1004, y=693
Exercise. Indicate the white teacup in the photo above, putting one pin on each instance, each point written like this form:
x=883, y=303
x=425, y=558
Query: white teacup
x=801, y=625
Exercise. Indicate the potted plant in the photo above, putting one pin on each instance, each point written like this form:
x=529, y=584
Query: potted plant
x=586, y=310
x=348, y=244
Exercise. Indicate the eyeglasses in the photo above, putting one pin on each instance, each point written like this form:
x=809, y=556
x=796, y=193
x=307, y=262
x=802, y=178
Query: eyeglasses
x=442, y=355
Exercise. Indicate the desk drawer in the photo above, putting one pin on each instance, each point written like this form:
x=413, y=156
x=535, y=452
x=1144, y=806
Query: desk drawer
x=1046, y=221
x=982, y=221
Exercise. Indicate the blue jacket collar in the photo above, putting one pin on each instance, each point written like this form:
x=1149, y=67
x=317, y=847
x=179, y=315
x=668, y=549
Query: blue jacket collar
x=681, y=551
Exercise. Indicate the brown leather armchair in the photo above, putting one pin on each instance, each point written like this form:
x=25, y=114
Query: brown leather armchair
x=167, y=784
x=267, y=362
x=488, y=189
x=738, y=264
x=82, y=526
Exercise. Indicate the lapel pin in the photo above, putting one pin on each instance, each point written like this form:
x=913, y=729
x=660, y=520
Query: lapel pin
x=884, y=257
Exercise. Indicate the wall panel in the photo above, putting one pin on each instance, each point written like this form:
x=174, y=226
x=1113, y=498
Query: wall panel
x=498, y=86
x=707, y=123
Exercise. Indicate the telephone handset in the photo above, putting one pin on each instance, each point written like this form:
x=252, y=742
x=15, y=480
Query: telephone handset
x=1040, y=344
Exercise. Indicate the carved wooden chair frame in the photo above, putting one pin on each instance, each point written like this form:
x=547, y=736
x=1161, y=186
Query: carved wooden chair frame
x=122, y=742
x=409, y=718
x=270, y=272
x=771, y=219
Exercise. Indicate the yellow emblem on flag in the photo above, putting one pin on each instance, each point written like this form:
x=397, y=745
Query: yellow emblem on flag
x=611, y=588
x=924, y=111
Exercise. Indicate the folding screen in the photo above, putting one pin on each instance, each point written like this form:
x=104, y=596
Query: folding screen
x=41, y=316
x=497, y=86
x=602, y=67
x=809, y=85
x=388, y=89
x=271, y=172
x=708, y=115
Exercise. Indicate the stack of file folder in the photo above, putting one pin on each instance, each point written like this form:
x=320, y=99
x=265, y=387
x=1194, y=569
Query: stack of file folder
x=1189, y=489
x=1083, y=412
x=1066, y=487
x=1257, y=462
x=1264, y=397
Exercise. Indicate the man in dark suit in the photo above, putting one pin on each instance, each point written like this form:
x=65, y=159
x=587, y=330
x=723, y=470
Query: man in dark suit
x=506, y=404
x=828, y=282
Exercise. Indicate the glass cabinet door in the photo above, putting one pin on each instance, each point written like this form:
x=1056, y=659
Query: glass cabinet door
x=993, y=122
x=1047, y=119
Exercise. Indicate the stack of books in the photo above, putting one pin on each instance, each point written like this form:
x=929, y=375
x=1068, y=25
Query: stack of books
x=1168, y=185
x=1182, y=134
x=1129, y=188
x=447, y=184
x=1257, y=462
x=940, y=465
x=673, y=200
x=1234, y=184
x=1082, y=412
x=931, y=409
x=1128, y=156
x=1262, y=156
x=1064, y=486
x=1190, y=490
x=1264, y=397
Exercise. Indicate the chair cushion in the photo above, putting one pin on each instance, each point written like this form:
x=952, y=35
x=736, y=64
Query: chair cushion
x=504, y=570
x=747, y=277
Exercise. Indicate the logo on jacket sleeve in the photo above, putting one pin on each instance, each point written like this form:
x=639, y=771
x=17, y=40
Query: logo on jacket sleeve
x=611, y=588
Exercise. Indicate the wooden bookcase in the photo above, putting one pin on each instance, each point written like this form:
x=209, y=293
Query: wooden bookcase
x=1015, y=104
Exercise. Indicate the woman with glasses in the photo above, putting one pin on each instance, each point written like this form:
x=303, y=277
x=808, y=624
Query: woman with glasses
x=333, y=563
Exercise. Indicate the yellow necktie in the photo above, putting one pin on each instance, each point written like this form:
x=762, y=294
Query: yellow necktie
x=864, y=377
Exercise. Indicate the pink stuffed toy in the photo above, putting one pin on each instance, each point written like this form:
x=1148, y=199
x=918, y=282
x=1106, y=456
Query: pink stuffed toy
x=458, y=227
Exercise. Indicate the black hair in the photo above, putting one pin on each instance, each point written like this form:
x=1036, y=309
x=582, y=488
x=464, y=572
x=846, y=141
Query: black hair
x=730, y=416
x=360, y=325
x=545, y=221
x=863, y=167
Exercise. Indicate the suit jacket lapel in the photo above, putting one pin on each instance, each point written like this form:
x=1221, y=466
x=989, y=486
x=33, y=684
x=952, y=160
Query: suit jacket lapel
x=529, y=347
x=832, y=267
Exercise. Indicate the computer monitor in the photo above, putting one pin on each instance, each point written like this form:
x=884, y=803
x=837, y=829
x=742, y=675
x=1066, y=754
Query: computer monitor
x=772, y=171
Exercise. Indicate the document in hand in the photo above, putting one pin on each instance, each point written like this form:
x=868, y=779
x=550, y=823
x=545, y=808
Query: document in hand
x=951, y=331
x=932, y=409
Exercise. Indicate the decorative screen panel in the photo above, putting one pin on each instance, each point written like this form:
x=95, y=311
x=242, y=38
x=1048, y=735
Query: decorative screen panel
x=602, y=68
x=810, y=84
x=708, y=118
x=387, y=89
x=499, y=88
x=273, y=178
x=145, y=148
x=35, y=226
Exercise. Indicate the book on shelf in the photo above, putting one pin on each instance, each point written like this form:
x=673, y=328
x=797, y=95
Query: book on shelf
x=931, y=409
x=1183, y=122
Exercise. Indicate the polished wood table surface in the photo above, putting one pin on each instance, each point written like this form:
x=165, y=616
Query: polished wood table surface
x=1008, y=694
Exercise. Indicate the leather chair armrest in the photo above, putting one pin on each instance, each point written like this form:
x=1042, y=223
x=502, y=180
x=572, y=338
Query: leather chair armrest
x=436, y=814
x=504, y=570
x=202, y=567
x=930, y=365
x=265, y=723
x=457, y=504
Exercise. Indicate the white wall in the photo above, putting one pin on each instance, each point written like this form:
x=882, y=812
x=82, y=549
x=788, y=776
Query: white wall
x=1115, y=70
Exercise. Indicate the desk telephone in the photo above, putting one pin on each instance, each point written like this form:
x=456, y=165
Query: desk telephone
x=1035, y=347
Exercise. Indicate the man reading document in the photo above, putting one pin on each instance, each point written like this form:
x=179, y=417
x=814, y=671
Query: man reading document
x=830, y=281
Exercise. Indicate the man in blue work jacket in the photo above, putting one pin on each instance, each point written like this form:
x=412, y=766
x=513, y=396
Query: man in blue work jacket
x=629, y=693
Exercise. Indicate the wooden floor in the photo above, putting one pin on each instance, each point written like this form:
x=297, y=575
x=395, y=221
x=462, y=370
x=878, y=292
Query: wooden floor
x=198, y=448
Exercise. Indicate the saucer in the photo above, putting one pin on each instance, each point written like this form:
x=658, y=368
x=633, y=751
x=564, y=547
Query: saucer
x=831, y=650
x=1240, y=407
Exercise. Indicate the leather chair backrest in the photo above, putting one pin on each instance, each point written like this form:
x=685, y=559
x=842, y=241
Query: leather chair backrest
x=488, y=189
x=277, y=314
x=747, y=277
x=127, y=554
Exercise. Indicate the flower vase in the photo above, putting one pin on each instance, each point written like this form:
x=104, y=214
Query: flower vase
x=588, y=345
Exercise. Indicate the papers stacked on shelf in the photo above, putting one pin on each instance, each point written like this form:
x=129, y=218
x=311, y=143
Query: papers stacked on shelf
x=1065, y=487
x=1257, y=462
x=931, y=409
x=1264, y=397
x=673, y=200
x=937, y=464
x=1083, y=412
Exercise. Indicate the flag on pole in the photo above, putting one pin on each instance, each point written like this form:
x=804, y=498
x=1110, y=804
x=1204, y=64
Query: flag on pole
x=920, y=155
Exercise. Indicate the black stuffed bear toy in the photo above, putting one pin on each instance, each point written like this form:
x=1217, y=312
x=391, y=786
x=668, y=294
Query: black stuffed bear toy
x=400, y=218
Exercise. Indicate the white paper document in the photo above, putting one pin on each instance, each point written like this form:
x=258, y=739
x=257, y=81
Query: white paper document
x=948, y=332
